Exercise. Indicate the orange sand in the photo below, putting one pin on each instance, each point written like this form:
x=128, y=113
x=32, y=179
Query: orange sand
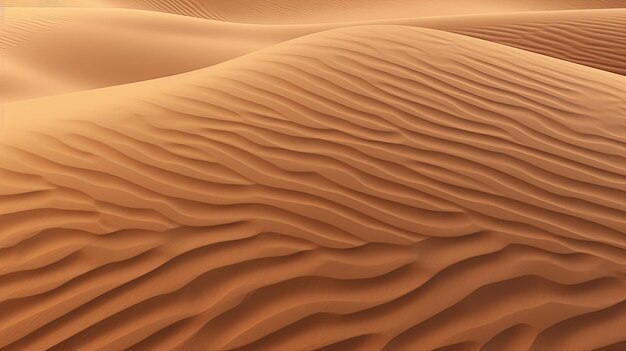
x=386, y=180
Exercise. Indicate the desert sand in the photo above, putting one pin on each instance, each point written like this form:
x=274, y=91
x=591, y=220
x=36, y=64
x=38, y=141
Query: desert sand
x=313, y=175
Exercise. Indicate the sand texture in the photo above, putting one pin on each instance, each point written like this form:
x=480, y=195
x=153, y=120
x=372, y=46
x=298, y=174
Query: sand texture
x=314, y=175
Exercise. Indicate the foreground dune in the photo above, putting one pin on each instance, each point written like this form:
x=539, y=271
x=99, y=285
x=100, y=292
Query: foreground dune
x=52, y=51
x=380, y=187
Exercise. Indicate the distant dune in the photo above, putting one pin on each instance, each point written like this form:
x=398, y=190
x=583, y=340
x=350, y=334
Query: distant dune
x=591, y=38
x=321, y=11
x=82, y=49
x=364, y=188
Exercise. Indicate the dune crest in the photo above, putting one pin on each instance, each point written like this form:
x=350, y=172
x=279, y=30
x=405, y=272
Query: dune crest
x=591, y=39
x=324, y=11
x=361, y=188
x=52, y=51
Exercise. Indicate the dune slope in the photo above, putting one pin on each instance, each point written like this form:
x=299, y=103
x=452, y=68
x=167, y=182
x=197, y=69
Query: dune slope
x=325, y=11
x=51, y=51
x=379, y=187
x=591, y=38
x=56, y=51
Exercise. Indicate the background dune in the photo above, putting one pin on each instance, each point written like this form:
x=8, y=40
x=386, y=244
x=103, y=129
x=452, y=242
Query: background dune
x=361, y=188
x=320, y=11
x=51, y=51
x=315, y=11
x=80, y=49
x=592, y=38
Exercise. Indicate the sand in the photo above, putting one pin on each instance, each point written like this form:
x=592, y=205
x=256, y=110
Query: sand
x=324, y=11
x=52, y=51
x=172, y=182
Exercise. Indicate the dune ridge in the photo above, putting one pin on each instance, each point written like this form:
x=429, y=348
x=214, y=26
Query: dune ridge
x=324, y=11
x=594, y=41
x=60, y=57
x=324, y=193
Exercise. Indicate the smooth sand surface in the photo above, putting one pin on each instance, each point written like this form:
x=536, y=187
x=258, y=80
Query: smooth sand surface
x=171, y=182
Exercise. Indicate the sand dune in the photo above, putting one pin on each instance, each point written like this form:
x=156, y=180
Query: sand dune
x=324, y=11
x=593, y=39
x=82, y=49
x=316, y=11
x=51, y=51
x=365, y=188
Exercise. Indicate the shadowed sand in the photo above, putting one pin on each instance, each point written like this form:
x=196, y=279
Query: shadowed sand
x=364, y=188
